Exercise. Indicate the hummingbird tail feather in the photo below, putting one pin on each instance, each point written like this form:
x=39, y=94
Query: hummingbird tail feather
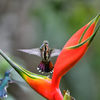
x=41, y=66
x=45, y=66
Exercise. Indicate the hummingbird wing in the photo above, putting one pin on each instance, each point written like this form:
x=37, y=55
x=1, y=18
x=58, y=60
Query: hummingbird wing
x=55, y=52
x=35, y=51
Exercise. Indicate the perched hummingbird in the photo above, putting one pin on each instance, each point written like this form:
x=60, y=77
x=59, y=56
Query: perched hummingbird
x=45, y=53
x=4, y=84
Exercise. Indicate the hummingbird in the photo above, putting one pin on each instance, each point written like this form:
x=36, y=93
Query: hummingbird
x=4, y=83
x=45, y=53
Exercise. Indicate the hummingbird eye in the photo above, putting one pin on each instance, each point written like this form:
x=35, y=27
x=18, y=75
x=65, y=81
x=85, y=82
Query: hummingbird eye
x=45, y=42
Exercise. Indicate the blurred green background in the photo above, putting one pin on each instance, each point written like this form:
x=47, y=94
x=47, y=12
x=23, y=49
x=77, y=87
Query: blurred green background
x=27, y=23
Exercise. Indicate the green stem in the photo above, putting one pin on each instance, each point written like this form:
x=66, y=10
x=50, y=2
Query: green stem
x=14, y=65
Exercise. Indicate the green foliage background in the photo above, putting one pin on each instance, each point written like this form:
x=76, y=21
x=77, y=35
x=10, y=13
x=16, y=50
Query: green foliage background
x=55, y=21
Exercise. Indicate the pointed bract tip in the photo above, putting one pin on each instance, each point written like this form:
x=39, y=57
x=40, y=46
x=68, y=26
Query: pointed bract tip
x=90, y=37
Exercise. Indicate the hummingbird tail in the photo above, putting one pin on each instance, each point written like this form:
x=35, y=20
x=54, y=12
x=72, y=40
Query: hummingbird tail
x=51, y=66
x=3, y=93
x=45, y=66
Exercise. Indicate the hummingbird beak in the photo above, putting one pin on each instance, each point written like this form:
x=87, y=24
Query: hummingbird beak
x=11, y=70
x=42, y=45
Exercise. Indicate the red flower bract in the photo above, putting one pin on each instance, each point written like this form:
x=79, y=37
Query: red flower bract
x=73, y=50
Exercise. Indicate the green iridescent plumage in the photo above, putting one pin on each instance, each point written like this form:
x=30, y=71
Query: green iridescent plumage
x=4, y=84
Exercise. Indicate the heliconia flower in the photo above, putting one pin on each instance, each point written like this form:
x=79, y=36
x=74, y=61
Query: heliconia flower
x=71, y=53
x=73, y=50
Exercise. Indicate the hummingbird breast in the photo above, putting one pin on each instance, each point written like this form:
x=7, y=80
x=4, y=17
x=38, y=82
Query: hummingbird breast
x=45, y=53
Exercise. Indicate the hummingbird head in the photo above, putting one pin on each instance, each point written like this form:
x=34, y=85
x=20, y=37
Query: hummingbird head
x=45, y=42
x=7, y=73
